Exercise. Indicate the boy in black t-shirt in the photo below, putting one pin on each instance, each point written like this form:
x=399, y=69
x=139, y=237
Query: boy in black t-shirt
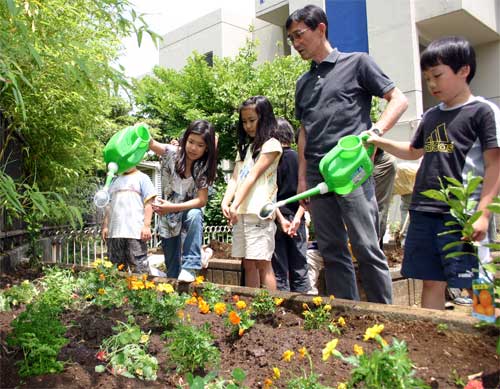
x=457, y=136
x=289, y=259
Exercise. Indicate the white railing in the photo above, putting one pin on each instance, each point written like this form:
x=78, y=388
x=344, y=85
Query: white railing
x=82, y=247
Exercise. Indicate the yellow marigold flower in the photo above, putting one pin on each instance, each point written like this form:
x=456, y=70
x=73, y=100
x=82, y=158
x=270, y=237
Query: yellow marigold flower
x=327, y=307
x=287, y=355
x=149, y=285
x=332, y=297
x=102, y=277
x=358, y=350
x=305, y=306
x=96, y=263
x=307, y=313
x=199, y=280
x=241, y=331
x=302, y=352
x=101, y=291
x=144, y=277
x=342, y=385
x=139, y=371
x=241, y=304
x=276, y=373
x=278, y=301
x=107, y=264
x=180, y=314
x=317, y=300
x=192, y=301
x=373, y=331
x=121, y=266
x=144, y=338
x=341, y=321
x=267, y=383
x=384, y=342
x=330, y=349
x=165, y=287
x=203, y=307
x=234, y=318
x=220, y=309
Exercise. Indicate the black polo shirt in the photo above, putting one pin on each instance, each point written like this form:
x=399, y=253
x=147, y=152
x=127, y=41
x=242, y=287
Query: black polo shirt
x=333, y=99
x=287, y=180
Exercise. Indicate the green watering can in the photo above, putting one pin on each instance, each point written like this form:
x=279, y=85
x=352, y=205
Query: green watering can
x=123, y=151
x=344, y=168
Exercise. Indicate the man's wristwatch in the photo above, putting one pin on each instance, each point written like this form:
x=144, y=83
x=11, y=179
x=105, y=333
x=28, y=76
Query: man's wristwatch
x=376, y=131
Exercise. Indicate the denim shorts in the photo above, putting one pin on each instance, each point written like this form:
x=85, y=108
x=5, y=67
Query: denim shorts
x=424, y=257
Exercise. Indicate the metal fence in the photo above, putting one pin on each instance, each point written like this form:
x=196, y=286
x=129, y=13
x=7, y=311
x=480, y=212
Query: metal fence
x=82, y=247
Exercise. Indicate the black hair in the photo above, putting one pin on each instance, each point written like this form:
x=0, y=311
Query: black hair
x=454, y=51
x=209, y=159
x=266, y=125
x=311, y=15
x=284, y=132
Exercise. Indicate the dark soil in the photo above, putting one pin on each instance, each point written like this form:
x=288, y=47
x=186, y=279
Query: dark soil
x=442, y=358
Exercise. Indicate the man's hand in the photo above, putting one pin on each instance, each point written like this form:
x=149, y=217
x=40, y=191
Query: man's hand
x=480, y=229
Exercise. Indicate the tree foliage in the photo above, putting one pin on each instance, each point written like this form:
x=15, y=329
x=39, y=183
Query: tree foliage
x=199, y=91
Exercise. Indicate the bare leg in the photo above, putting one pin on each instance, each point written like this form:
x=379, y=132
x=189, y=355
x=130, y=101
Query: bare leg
x=266, y=274
x=252, y=278
x=433, y=294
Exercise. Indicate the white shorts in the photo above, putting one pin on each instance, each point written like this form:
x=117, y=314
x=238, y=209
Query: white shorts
x=253, y=238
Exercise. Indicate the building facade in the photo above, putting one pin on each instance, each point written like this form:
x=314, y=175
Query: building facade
x=394, y=32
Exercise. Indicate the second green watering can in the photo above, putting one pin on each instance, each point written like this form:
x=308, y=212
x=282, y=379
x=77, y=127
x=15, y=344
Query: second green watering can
x=344, y=168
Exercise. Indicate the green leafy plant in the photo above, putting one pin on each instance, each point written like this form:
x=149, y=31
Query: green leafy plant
x=459, y=198
x=212, y=294
x=386, y=367
x=319, y=316
x=263, y=304
x=16, y=295
x=191, y=348
x=213, y=381
x=126, y=353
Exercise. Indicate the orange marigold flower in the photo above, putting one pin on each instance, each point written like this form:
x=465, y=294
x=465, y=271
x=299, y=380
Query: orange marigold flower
x=203, y=306
x=302, y=352
x=192, y=301
x=305, y=306
x=102, y=277
x=144, y=277
x=241, y=331
x=234, y=318
x=220, y=309
x=236, y=298
x=180, y=314
x=267, y=383
x=121, y=266
x=241, y=304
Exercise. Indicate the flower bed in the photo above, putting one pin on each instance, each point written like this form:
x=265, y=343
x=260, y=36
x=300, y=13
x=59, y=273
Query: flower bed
x=118, y=327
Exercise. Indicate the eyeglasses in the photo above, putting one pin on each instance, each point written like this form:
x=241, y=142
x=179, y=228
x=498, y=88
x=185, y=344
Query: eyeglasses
x=296, y=35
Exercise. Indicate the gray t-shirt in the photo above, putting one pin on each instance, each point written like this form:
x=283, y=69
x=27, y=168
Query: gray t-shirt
x=333, y=99
x=178, y=190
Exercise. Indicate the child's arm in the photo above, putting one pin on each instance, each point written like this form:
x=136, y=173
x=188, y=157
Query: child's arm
x=148, y=214
x=294, y=225
x=158, y=148
x=402, y=150
x=491, y=186
x=265, y=160
x=197, y=202
x=105, y=222
x=228, y=196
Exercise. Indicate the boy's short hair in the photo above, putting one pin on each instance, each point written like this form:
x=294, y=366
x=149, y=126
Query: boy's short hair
x=454, y=51
x=284, y=132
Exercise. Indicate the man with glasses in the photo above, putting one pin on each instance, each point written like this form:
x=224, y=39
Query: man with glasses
x=333, y=99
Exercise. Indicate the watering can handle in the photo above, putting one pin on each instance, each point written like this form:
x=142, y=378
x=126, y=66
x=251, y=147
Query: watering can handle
x=371, y=147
